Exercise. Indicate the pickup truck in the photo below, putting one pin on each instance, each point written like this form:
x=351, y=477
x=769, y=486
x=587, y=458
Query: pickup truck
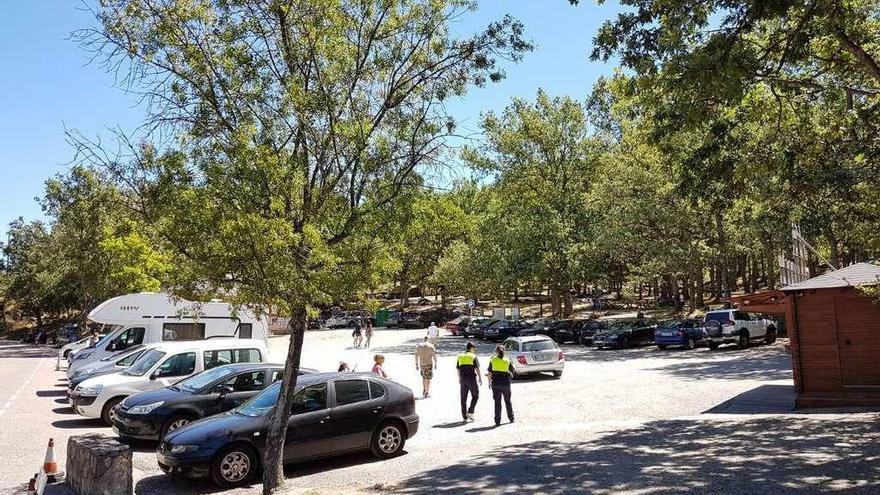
x=732, y=326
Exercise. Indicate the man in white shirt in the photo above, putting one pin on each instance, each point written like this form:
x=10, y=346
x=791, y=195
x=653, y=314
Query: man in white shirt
x=426, y=363
x=433, y=334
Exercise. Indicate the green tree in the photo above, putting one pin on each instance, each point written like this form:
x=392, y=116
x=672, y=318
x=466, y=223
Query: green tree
x=300, y=122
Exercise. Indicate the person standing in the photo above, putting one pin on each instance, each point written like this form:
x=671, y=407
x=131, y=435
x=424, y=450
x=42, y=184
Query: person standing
x=499, y=380
x=378, y=361
x=356, y=335
x=469, y=380
x=368, y=332
x=426, y=363
x=433, y=334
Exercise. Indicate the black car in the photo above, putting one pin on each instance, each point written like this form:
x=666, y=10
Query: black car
x=502, y=329
x=623, y=334
x=477, y=327
x=333, y=413
x=151, y=415
x=589, y=329
x=563, y=331
x=536, y=327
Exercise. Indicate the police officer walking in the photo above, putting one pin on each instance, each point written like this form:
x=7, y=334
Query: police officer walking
x=499, y=381
x=469, y=380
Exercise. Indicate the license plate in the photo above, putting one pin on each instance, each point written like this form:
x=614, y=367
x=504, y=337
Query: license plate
x=667, y=334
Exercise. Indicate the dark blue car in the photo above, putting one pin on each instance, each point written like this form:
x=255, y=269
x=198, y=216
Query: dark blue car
x=688, y=333
x=333, y=413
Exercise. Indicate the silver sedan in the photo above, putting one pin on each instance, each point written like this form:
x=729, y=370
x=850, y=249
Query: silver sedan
x=534, y=354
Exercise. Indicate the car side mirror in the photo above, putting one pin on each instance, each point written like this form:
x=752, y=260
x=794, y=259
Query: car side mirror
x=154, y=375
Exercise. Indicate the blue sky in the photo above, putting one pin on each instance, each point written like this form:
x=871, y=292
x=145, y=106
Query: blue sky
x=47, y=84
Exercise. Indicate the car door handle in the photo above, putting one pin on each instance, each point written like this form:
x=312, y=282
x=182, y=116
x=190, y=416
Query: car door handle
x=376, y=410
x=324, y=419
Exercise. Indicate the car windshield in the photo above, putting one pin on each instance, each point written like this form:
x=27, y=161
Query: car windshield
x=539, y=345
x=144, y=363
x=202, y=380
x=670, y=324
x=117, y=355
x=261, y=403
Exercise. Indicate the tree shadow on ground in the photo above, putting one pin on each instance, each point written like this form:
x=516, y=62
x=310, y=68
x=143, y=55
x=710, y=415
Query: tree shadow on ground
x=19, y=351
x=767, y=455
x=765, y=363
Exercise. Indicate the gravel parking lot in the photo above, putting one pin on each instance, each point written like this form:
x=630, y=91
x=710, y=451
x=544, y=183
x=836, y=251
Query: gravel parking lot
x=631, y=421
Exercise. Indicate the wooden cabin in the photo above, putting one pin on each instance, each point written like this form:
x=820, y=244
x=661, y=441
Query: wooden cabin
x=834, y=332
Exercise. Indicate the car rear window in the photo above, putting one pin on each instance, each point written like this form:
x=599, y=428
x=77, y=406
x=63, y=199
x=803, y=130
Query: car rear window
x=376, y=390
x=539, y=345
x=719, y=317
x=351, y=391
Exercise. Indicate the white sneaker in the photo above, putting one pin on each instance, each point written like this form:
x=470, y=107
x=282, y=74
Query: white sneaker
x=470, y=416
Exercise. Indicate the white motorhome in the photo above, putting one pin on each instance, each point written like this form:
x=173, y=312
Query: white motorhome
x=151, y=317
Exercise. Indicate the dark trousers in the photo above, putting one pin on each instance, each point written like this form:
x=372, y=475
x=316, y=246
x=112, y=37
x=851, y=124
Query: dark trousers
x=466, y=386
x=499, y=391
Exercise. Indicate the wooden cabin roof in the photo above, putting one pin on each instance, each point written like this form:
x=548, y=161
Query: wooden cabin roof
x=851, y=276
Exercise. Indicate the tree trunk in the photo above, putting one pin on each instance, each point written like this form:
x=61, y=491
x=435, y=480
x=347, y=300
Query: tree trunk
x=568, y=307
x=404, y=293
x=555, y=302
x=724, y=289
x=273, y=467
x=700, y=297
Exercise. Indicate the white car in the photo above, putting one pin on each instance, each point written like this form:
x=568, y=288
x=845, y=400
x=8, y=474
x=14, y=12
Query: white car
x=161, y=366
x=67, y=349
x=534, y=354
x=346, y=319
x=728, y=326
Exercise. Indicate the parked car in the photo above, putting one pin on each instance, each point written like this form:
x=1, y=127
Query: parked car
x=534, y=354
x=502, y=329
x=589, y=329
x=152, y=415
x=563, y=331
x=410, y=320
x=457, y=326
x=114, y=363
x=477, y=327
x=688, y=333
x=534, y=327
x=161, y=367
x=393, y=319
x=333, y=413
x=347, y=319
x=739, y=327
x=623, y=334
x=67, y=349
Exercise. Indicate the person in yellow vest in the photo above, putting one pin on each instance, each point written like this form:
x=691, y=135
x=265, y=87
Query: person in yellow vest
x=468, y=377
x=500, y=373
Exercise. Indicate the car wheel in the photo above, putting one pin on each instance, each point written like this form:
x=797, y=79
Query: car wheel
x=557, y=374
x=388, y=440
x=743, y=342
x=177, y=421
x=109, y=411
x=624, y=342
x=661, y=346
x=351, y=324
x=771, y=336
x=713, y=346
x=690, y=344
x=233, y=466
x=66, y=353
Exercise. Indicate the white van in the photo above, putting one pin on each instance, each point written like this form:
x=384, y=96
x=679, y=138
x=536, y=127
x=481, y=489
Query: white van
x=161, y=366
x=150, y=317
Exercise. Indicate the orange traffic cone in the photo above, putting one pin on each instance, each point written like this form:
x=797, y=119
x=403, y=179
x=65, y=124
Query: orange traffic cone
x=32, y=485
x=50, y=466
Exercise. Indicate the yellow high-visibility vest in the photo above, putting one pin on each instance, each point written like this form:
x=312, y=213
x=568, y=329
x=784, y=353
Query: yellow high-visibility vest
x=468, y=358
x=500, y=364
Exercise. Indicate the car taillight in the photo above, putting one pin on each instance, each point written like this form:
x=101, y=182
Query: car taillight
x=681, y=333
x=521, y=360
x=561, y=356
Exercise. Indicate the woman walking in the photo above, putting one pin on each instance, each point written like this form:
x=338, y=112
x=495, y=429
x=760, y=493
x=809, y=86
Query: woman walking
x=499, y=381
x=368, y=332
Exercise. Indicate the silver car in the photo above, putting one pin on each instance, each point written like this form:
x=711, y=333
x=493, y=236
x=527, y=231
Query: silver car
x=534, y=354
